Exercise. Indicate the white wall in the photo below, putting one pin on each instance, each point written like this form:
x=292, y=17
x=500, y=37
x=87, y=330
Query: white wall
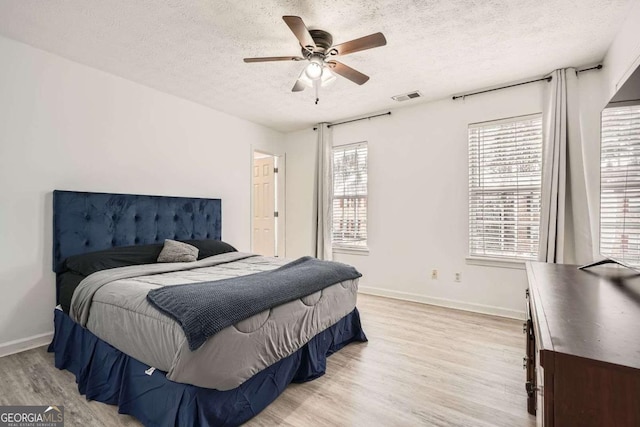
x=418, y=189
x=593, y=98
x=623, y=55
x=301, y=156
x=67, y=126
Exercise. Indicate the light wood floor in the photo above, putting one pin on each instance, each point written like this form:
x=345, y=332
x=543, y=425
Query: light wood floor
x=423, y=365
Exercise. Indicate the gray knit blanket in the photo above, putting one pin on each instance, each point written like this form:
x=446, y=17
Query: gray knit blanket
x=204, y=309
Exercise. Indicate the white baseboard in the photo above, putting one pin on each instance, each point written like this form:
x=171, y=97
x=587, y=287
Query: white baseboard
x=23, y=344
x=443, y=302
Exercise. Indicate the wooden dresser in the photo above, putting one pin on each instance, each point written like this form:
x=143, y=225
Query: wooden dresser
x=583, y=346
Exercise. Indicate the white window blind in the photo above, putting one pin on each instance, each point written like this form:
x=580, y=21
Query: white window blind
x=505, y=163
x=350, y=196
x=620, y=184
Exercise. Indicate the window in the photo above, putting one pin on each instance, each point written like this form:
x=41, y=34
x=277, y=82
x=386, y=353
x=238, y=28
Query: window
x=505, y=162
x=350, y=196
x=620, y=184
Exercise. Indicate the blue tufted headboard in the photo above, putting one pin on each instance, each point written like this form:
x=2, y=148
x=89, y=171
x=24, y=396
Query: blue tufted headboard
x=86, y=222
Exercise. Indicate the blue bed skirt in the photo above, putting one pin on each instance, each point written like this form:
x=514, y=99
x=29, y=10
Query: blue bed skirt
x=107, y=375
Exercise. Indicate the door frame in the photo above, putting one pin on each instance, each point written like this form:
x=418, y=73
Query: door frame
x=280, y=195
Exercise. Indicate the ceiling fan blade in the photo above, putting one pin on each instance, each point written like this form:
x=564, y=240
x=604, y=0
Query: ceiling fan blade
x=363, y=43
x=274, y=58
x=300, y=30
x=298, y=87
x=348, y=72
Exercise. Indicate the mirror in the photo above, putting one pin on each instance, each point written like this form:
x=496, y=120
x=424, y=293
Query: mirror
x=620, y=175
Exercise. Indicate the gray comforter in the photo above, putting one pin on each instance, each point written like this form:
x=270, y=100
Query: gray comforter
x=204, y=309
x=113, y=305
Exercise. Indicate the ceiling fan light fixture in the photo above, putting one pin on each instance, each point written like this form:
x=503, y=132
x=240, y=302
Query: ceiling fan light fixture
x=314, y=69
x=304, y=79
x=326, y=78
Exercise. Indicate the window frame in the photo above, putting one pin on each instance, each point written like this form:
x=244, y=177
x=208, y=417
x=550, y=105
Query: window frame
x=495, y=260
x=345, y=247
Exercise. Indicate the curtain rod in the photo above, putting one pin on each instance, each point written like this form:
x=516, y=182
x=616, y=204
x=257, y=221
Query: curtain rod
x=388, y=113
x=597, y=67
x=548, y=79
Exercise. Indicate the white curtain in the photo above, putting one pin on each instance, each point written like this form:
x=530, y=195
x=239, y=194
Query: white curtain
x=324, y=193
x=565, y=231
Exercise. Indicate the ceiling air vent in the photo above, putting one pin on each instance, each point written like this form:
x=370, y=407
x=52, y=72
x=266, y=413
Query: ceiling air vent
x=407, y=96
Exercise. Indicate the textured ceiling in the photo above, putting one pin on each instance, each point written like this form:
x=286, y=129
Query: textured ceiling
x=194, y=49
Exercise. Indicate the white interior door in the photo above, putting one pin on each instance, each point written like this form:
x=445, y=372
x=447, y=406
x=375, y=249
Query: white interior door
x=264, y=242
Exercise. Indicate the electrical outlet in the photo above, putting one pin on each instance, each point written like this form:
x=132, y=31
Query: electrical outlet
x=458, y=277
x=434, y=274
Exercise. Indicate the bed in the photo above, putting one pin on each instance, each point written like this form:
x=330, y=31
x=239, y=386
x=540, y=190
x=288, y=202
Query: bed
x=125, y=351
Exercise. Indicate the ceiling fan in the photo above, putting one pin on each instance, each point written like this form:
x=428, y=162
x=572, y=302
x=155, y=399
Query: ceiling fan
x=318, y=50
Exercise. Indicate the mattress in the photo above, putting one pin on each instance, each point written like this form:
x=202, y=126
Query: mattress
x=121, y=316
